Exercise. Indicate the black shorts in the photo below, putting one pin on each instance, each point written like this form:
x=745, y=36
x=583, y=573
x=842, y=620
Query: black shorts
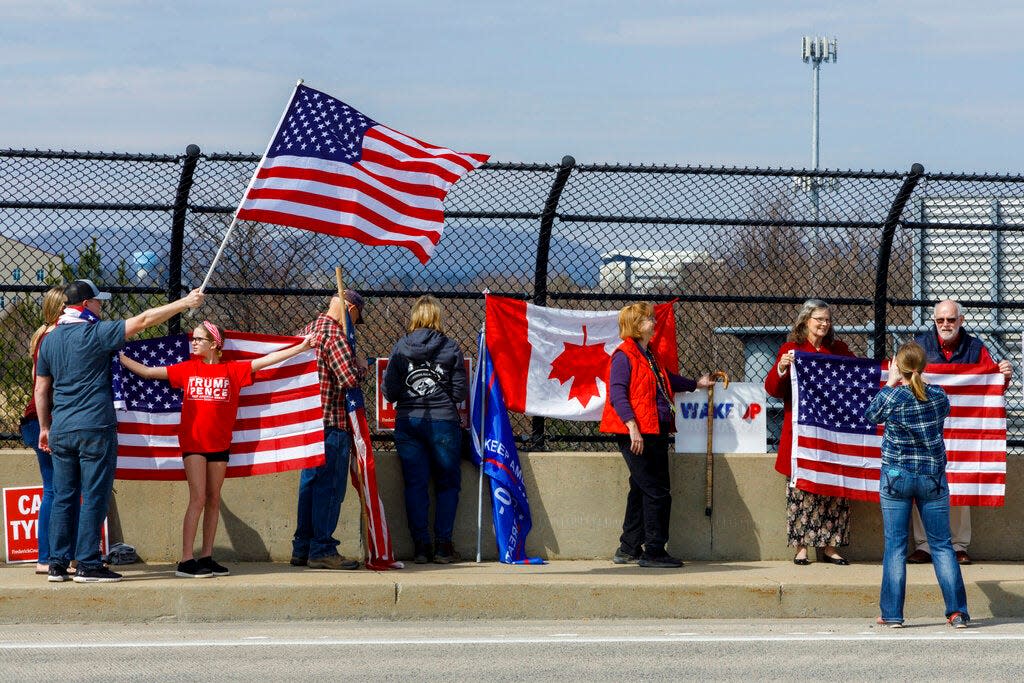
x=218, y=456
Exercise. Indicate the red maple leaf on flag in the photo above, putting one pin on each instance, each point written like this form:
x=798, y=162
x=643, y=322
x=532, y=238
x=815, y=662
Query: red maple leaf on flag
x=583, y=365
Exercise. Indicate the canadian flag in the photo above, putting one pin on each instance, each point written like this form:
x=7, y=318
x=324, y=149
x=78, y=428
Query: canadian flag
x=553, y=362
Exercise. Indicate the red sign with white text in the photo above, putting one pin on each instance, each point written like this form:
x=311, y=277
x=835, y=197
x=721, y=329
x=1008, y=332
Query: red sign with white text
x=21, y=524
x=386, y=409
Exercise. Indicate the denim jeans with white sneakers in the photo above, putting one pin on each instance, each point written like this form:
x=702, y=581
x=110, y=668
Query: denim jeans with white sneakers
x=899, y=490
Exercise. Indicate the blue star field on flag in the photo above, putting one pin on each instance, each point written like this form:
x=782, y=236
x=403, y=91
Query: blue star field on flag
x=150, y=395
x=318, y=125
x=834, y=391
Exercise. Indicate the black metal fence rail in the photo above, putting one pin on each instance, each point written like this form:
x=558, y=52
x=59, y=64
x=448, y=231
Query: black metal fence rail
x=740, y=247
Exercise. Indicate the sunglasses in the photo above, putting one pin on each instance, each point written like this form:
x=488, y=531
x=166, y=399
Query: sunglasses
x=946, y=320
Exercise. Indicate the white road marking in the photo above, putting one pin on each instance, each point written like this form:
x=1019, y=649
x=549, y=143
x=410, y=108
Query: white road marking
x=548, y=640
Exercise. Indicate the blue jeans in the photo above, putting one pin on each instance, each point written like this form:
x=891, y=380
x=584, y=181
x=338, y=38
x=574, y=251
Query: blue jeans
x=899, y=490
x=84, y=463
x=30, y=435
x=321, y=492
x=430, y=448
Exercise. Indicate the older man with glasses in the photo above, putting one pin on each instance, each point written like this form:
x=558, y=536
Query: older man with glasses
x=948, y=342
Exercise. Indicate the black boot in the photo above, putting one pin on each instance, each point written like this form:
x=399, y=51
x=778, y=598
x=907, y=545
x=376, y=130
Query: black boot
x=423, y=554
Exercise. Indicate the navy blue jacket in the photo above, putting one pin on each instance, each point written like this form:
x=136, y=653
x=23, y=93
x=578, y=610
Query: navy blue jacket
x=426, y=376
x=968, y=348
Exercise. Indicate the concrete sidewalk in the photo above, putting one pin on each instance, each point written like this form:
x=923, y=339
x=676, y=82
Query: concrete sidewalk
x=559, y=590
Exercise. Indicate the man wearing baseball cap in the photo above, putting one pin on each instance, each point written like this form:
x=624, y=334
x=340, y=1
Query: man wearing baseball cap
x=322, y=489
x=83, y=290
x=77, y=423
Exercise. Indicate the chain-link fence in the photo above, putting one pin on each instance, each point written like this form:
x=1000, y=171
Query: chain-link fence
x=740, y=249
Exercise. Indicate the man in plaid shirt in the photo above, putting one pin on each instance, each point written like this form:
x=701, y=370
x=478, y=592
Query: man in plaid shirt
x=322, y=489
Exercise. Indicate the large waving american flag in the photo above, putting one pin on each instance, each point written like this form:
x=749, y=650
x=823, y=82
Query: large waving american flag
x=837, y=452
x=280, y=417
x=331, y=169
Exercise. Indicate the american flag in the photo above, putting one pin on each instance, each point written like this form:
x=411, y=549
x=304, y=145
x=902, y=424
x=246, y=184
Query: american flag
x=837, y=452
x=363, y=469
x=331, y=169
x=280, y=418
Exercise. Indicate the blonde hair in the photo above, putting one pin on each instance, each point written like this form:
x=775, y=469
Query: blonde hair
x=799, y=332
x=53, y=306
x=910, y=362
x=631, y=317
x=426, y=312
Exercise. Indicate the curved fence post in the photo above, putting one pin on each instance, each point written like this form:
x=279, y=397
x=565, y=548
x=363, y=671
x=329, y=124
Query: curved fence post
x=884, y=254
x=188, y=169
x=540, y=275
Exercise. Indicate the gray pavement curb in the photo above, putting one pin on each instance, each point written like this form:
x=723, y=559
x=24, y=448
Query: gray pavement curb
x=559, y=590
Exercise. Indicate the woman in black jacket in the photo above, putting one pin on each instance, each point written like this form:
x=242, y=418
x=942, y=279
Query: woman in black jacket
x=426, y=379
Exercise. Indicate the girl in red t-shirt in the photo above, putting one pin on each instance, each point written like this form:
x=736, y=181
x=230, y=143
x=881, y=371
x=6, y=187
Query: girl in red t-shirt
x=208, y=409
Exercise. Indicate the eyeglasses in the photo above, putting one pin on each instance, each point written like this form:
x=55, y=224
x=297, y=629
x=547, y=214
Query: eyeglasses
x=946, y=320
x=201, y=339
x=823, y=321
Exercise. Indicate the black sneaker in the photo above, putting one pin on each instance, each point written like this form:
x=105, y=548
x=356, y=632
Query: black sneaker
x=660, y=561
x=298, y=561
x=190, y=569
x=445, y=553
x=423, y=554
x=57, y=573
x=209, y=563
x=96, y=575
x=622, y=557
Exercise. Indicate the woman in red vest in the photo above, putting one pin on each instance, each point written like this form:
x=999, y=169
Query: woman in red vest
x=639, y=411
x=812, y=520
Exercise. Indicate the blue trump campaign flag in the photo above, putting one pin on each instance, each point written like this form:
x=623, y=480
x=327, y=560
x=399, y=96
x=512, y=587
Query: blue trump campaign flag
x=494, y=441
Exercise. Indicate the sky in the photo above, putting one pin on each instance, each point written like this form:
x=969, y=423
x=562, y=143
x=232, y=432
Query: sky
x=650, y=81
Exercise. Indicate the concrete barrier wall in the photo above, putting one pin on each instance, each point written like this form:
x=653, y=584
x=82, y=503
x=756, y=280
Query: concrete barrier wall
x=577, y=501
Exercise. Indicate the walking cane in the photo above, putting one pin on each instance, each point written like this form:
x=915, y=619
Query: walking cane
x=709, y=461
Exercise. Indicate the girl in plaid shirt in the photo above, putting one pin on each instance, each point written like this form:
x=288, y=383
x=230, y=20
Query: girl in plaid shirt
x=914, y=472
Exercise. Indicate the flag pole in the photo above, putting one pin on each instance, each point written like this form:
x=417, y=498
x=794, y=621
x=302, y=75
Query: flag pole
x=481, y=395
x=340, y=281
x=252, y=181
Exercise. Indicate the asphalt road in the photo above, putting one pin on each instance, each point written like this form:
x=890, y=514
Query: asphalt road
x=613, y=650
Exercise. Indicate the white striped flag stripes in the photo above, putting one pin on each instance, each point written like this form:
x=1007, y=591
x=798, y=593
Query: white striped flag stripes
x=280, y=418
x=363, y=469
x=330, y=169
x=837, y=452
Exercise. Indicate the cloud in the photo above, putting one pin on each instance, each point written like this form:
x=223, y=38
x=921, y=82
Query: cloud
x=696, y=30
x=63, y=10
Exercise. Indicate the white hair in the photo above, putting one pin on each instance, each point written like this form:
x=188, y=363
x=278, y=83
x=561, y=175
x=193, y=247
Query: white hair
x=959, y=308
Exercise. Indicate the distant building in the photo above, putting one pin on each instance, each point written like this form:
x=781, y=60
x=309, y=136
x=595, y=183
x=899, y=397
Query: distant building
x=650, y=270
x=23, y=265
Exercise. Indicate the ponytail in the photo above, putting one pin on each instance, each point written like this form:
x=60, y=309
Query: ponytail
x=917, y=385
x=910, y=361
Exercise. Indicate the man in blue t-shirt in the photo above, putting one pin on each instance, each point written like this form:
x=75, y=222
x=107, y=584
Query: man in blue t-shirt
x=77, y=423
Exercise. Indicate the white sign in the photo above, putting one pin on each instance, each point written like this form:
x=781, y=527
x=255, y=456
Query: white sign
x=739, y=422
